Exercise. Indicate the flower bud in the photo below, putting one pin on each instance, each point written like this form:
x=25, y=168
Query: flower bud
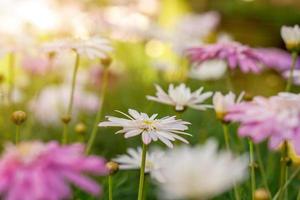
x=248, y=96
x=18, y=117
x=106, y=61
x=261, y=194
x=294, y=157
x=80, y=128
x=51, y=55
x=254, y=165
x=112, y=167
x=291, y=37
x=220, y=116
x=180, y=110
x=66, y=119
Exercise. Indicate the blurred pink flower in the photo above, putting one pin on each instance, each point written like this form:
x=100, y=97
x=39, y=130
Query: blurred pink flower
x=36, y=65
x=275, y=118
x=277, y=59
x=95, y=76
x=236, y=55
x=34, y=170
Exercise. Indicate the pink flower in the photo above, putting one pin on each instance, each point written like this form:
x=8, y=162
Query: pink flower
x=236, y=55
x=34, y=170
x=95, y=75
x=36, y=65
x=277, y=59
x=276, y=118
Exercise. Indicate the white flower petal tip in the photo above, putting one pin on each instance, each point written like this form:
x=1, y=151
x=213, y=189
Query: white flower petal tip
x=208, y=70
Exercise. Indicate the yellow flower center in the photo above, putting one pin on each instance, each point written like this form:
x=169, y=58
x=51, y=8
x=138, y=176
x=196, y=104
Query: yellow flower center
x=148, y=122
x=148, y=125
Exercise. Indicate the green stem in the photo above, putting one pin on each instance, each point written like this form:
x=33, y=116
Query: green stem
x=252, y=169
x=2, y=97
x=178, y=116
x=110, y=189
x=236, y=192
x=286, y=194
x=71, y=99
x=296, y=172
x=11, y=75
x=183, y=70
x=283, y=169
x=290, y=79
x=262, y=169
x=99, y=113
x=229, y=81
x=142, y=172
x=298, y=196
x=226, y=135
x=17, y=134
x=64, y=139
x=227, y=143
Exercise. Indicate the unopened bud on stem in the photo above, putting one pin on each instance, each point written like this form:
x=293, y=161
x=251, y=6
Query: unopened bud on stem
x=18, y=117
x=80, y=128
x=261, y=194
x=66, y=119
x=106, y=61
x=112, y=167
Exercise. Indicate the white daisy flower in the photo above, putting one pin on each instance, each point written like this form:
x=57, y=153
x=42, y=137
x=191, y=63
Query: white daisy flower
x=132, y=160
x=291, y=37
x=126, y=24
x=187, y=34
x=53, y=100
x=222, y=102
x=208, y=70
x=16, y=43
x=94, y=47
x=181, y=97
x=166, y=129
x=289, y=96
x=55, y=46
x=200, y=172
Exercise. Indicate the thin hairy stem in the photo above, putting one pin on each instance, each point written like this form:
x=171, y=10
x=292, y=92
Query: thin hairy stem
x=142, y=173
x=99, y=113
x=290, y=78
